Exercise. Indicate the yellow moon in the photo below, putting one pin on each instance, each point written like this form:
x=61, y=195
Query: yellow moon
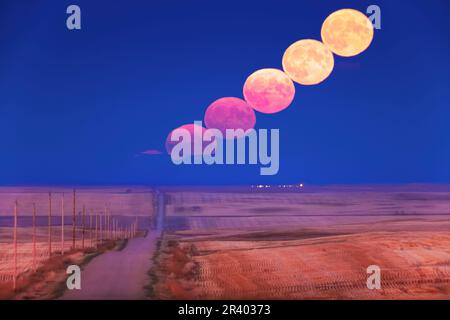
x=347, y=32
x=308, y=62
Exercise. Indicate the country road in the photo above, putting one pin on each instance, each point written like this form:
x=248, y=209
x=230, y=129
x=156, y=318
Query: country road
x=121, y=275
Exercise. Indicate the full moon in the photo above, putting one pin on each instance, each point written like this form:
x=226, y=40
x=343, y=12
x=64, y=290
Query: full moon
x=230, y=113
x=347, y=32
x=308, y=62
x=269, y=90
x=194, y=135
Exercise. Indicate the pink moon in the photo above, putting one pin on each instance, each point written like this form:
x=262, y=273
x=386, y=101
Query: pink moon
x=269, y=90
x=189, y=127
x=230, y=113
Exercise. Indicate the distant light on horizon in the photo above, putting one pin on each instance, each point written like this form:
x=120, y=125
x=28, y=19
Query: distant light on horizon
x=263, y=186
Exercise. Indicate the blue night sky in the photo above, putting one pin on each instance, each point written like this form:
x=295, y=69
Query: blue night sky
x=76, y=107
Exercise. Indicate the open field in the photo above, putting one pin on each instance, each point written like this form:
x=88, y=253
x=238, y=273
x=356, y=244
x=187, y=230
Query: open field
x=306, y=245
x=413, y=265
x=240, y=243
x=308, y=208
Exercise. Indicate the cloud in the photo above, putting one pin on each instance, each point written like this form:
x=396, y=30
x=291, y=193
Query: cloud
x=151, y=152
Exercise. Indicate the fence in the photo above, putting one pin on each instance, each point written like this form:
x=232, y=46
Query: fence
x=29, y=246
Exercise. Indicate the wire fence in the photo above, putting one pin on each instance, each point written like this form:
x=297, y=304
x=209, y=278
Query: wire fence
x=27, y=242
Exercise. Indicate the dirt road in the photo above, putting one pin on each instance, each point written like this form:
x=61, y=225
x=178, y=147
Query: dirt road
x=117, y=274
x=121, y=274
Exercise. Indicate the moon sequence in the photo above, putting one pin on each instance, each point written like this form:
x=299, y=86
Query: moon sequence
x=229, y=137
x=194, y=144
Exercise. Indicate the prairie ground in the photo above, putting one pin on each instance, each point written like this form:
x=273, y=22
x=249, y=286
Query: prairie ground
x=318, y=245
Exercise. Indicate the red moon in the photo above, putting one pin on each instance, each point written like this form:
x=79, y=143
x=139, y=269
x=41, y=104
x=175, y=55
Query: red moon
x=269, y=90
x=230, y=113
x=189, y=127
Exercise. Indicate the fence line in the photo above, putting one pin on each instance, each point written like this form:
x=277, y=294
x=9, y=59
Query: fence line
x=49, y=223
x=34, y=237
x=62, y=224
x=74, y=219
x=15, y=245
x=83, y=227
x=99, y=228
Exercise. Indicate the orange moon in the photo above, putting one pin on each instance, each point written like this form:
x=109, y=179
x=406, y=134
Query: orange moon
x=308, y=62
x=347, y=32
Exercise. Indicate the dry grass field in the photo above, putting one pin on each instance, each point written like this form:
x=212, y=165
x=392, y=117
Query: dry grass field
x=413, y=265
x=243, y=243
x=25, y=249
x=316, y=245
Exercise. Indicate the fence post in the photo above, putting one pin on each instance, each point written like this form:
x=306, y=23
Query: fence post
x=105, y=218
x=112, y=228
x=106, y=223
x=74, y=219
x=83, y=226
x=109, y=223
x=49, y=224
x=101, y=227
x=96, y=230
x=34, y=236
x=80, y=221
x=62, y=224
x=90, y=230
x=113, y=223
x=111, y=219
x=15, y=245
